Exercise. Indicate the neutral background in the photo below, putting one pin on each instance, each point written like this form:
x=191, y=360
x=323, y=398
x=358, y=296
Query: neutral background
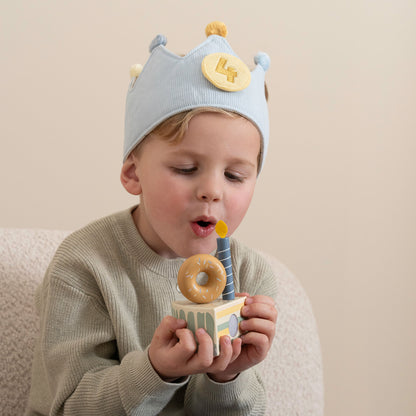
x=336, y=201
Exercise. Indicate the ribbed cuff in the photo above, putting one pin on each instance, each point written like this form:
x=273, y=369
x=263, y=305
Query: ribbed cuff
x=140, y=385
x=230, y=391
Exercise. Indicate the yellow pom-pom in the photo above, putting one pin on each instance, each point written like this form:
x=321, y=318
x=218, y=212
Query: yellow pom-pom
x=216, y=28
x=135, y=70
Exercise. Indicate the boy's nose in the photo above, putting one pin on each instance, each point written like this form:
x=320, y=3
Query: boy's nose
x=209, y=190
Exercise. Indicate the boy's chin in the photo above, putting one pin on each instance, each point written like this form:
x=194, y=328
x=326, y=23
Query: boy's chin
x=208, y=248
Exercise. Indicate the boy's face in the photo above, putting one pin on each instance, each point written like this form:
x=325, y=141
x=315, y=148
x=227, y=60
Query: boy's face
x=187, y=187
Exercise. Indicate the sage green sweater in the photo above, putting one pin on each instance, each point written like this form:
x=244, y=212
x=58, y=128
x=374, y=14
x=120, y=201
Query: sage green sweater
x=103, y=296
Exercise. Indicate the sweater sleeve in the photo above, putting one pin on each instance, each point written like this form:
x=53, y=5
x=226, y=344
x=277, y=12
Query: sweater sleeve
x=80, y=360
x=244, y=396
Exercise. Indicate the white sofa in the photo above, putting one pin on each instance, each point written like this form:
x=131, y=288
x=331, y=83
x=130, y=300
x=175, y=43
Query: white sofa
x=292, y=372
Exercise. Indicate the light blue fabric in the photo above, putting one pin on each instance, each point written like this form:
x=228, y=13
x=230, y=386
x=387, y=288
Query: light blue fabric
x=170, y=84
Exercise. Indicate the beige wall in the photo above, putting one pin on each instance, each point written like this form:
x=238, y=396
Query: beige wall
x=336, y=201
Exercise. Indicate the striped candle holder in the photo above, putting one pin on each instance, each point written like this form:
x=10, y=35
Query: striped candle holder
x=224, y=256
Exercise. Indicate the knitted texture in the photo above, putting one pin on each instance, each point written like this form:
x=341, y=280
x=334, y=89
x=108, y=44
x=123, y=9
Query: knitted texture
x=24, y=257
x=292, y=372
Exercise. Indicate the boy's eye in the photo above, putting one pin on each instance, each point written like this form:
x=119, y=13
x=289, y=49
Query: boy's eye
x=233, y=177
x=185, y=171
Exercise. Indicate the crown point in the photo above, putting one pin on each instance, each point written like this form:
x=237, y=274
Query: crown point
x=157, y=41
x=216, y=28
x=135, y=70
x=263, y=60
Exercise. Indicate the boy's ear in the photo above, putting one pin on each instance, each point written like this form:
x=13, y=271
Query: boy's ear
x=129, y=178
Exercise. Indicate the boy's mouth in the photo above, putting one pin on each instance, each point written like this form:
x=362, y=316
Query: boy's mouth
x=203, y=223
x=203, y=228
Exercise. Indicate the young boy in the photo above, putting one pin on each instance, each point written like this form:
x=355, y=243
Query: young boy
x=196, y=139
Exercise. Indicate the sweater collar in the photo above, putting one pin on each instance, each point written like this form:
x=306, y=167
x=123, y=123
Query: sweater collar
x=138, y=249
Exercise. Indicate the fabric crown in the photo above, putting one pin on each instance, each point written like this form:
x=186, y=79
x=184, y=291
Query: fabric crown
x=210, y=75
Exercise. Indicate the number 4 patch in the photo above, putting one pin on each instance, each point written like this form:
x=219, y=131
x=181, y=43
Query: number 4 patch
x=226, y=72
x=230, y=72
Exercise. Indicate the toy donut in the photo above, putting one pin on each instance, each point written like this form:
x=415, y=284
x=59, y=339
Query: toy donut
x=202, y=263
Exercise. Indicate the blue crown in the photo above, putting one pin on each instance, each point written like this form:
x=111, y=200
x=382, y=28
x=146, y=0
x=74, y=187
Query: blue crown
x=210, y=75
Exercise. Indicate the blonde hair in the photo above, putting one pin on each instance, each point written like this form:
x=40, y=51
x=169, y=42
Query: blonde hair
x=174, y=128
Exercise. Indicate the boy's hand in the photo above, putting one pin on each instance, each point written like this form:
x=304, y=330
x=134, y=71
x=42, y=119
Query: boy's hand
x=258, y=329
x=174, y=352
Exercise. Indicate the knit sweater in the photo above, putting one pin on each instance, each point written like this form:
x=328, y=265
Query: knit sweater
x=103, y=296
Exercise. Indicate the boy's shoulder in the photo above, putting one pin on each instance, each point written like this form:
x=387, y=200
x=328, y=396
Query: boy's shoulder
x=243, y=253
x=254, y=272
x=99, y=236
x=248, y=259
x=95, y=248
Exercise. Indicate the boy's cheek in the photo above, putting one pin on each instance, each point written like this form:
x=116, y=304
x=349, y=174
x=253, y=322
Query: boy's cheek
x=237, y=210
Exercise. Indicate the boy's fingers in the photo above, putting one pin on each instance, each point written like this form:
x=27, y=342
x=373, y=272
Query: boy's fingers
x=205, y=355
x=236, y=343
x=204, y=360
x=262, y=326
x=222, y=371
x=226, y=352
x=167, y=328
x=186, y=343
x=260, y=342
x=259, y=310
x=242, y=294
x=259, y=299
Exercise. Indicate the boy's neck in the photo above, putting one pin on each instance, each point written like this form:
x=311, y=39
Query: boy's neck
x=146, y=232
